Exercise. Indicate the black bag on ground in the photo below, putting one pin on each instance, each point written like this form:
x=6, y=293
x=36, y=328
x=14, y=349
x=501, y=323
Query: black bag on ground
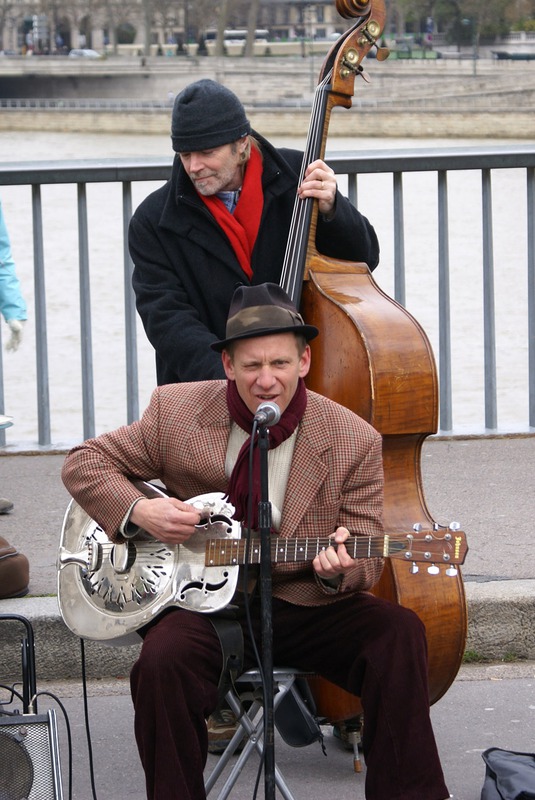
x=509, y=775
x=295, y=716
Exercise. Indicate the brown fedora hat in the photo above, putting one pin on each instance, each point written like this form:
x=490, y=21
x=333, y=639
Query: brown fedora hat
x=261, y=311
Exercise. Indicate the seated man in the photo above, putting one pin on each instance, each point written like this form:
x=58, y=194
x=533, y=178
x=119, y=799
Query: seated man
x=325, y=479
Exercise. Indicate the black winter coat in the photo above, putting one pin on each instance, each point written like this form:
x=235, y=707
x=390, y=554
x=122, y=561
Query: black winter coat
x=185, y=271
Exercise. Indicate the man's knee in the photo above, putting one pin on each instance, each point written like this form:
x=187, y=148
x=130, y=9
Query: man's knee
x=178, y=642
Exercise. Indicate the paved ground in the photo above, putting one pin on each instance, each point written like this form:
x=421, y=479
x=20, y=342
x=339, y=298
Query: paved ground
x=490, y=706
x=483, y=483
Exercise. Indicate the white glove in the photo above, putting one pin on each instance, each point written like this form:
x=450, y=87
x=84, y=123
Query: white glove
x=15, y=326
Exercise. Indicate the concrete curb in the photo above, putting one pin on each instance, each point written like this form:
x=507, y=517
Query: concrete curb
x=57, y=650
x=501, y=619
x=501, y=626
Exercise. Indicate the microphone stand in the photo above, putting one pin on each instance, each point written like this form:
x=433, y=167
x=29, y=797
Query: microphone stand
x=264, y=519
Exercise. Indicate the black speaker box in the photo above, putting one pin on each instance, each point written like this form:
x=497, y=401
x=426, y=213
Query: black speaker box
x=29, y=757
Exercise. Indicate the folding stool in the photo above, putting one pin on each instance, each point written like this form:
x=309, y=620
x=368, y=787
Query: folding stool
x=251, y=726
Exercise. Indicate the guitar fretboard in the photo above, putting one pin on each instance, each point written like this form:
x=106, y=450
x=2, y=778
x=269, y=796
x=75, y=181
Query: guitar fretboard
x=228, y=552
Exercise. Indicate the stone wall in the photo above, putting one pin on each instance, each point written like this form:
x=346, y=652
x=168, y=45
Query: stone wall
x=515, y=124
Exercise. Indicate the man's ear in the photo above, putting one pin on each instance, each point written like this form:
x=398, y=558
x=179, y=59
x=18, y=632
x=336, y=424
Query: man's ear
x=304, y=362
x=227, y=365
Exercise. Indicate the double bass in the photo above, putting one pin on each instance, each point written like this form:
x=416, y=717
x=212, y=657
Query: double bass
x=373, y=357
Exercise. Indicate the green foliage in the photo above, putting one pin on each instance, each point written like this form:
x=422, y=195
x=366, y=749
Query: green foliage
x=508, y=658
x=525, y=25
x=473, y=657
x=490, y=18
x=126, y=33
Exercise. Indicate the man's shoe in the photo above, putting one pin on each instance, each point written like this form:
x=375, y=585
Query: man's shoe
x=5, y=505
x=222, y=725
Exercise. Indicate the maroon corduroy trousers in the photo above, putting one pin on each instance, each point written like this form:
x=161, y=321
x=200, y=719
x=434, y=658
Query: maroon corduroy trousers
x=371, y=647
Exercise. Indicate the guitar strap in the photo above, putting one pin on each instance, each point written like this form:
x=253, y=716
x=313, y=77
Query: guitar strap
x=230, y=636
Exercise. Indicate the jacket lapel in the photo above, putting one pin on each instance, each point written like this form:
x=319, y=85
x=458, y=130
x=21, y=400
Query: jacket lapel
x=309, y=471
x=208, y=441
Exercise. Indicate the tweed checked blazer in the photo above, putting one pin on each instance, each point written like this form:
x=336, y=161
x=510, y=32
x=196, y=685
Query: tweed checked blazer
x=336, y=477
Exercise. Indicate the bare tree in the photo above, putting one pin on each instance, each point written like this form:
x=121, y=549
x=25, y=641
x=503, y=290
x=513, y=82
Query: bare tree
x=251, y=27
x=6, y=8
x=487, y=16
x=224, y=12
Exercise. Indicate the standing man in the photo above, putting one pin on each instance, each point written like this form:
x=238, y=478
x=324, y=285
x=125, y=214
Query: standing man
x=325, y=480
x=222, y=220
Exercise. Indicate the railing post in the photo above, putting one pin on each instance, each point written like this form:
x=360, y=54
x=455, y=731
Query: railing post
x=132, y=377
x=489, y=320
x=399, y=240
x=530, y=179
x=352, y=189
x=86, y=345
x=444, y=329
x=41, y=349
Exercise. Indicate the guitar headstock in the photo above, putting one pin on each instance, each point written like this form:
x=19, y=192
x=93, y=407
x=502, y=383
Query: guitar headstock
x=436, y=547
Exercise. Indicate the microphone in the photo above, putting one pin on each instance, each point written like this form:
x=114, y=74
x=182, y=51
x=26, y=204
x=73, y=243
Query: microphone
x=267, y=414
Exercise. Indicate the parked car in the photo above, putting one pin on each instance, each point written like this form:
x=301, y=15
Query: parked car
x=84, y=53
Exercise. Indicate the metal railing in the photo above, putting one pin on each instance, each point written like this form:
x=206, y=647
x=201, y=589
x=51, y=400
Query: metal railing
x=398, y=164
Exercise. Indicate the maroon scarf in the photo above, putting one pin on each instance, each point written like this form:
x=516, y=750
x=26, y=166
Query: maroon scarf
x=241, y=227
x=238, y=492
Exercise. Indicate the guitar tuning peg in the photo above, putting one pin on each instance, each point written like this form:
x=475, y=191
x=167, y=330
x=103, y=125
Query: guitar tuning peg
x=417, y=527
x=454, y=526
x=452, y=572
x=433, y=569
x=414, y=568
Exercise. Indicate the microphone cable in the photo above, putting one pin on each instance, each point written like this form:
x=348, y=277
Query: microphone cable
x=86, y=719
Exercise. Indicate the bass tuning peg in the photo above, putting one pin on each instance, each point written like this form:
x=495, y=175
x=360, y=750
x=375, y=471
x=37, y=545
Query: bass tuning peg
x=382, y=53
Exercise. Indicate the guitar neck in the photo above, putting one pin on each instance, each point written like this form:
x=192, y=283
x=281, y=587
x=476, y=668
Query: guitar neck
x=228, y=552
x=445, y=545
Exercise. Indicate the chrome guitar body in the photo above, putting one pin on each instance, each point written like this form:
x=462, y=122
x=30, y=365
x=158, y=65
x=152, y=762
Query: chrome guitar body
x=107, y=591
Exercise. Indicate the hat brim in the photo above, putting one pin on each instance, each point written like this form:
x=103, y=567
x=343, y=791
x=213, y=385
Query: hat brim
x=308, y=331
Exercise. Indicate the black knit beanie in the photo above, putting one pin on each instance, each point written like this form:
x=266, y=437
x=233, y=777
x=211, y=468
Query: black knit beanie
x=207, y=114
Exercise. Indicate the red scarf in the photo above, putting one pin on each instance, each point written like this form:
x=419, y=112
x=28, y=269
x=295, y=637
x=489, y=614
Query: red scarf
x=241, y=227
x=238, y=492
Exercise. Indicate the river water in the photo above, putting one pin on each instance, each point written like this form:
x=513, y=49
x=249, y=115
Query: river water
x=375, y=201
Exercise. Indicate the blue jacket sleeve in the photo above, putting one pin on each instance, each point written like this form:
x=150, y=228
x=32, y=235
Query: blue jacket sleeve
x=12, y=303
